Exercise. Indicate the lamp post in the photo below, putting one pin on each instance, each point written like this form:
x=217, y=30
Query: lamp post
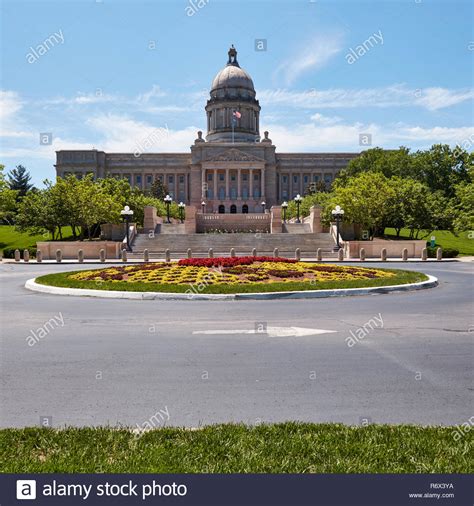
x=337, y=213
x=203, y=207
x=127, y=214
x=168, y=201
x=263, y=204
x=284, y=206
x=181, y=207
x=298, y=199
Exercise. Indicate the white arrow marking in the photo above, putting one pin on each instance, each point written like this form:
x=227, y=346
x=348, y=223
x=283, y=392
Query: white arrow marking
x=271, y=331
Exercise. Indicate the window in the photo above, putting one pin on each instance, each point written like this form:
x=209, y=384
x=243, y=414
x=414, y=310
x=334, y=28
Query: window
x=210, y=193
x=327, y=178
x=149, y=179
x=256, y=193
x=244, y=177
x=138, y=179
x=295, y=179
x=181, y=179
x=316, y=178
x=305, y=179
x=221, y=209
x=232, y=177
x=245, y=209
x=221, y=193
x=233, y=209
x=284, y=179
x=245, y=193
x=170, y=179
x=284, y=194
x=209, y=177
x=233, y=193
x=255, y=177
x=221, y=177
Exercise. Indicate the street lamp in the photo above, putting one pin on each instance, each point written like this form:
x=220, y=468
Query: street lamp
x=168, y=201
x=284, y=206
x=263, y=204
x=337, y=213
x=298, y=199
x=203, y=207
x=181, y=207
x=127, y=214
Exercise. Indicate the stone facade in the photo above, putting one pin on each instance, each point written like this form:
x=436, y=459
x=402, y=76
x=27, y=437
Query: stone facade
x=232, y=171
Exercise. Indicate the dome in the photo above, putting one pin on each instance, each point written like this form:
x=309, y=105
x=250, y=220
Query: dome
x=232, y=80
x=232, y=76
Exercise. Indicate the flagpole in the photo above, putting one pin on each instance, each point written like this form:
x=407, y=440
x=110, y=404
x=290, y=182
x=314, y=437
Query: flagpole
x=233, y=120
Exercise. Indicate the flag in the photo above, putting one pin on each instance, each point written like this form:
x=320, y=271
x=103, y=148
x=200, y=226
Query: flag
x=237, y=114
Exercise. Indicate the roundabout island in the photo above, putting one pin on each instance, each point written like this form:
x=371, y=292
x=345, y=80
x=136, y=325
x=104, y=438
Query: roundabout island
x=230, y=278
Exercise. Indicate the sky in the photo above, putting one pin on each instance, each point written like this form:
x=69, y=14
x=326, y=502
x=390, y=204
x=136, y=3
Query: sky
x=330, y=75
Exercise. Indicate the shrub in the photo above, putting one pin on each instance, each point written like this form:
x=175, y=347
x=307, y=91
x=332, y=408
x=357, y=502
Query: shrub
x=447, y=252
x=10, y=252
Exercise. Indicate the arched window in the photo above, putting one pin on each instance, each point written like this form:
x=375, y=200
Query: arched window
x=245, y=209
x=233, y=209
x=221, y=209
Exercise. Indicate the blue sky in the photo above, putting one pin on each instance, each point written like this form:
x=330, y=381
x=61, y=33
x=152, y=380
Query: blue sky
x=114, y=72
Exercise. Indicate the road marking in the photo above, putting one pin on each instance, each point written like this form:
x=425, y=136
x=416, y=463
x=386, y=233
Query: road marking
x=270, y=331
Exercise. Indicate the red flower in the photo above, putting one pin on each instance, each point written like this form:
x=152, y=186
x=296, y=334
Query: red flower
x=231, y=261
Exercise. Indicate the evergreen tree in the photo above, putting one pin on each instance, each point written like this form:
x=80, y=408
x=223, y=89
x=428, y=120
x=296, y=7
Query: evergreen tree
x=158, y=190
x=19, y=180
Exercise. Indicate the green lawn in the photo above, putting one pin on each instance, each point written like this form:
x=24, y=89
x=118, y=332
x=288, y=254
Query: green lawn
x=11, y=238
x=276, y=448
x=445, y=239
x=62, y=279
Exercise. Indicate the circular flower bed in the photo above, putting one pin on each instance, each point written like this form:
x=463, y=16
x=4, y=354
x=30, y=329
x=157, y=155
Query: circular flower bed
x=231, y=275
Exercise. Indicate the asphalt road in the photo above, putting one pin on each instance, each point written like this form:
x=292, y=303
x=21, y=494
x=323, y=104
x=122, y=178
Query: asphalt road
x=123, y=361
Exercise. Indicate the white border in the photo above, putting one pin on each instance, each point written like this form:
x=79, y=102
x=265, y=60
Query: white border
x=32, y=285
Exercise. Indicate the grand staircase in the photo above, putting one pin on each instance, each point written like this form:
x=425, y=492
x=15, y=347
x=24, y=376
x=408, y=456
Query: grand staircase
x=243, y=243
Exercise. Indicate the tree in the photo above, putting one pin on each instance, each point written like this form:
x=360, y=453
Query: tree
x=19, y=180
x=397, y=162
x=7, y=199
x=158, y=189
x=364, y=200
x=463, y=209
x=442, y=168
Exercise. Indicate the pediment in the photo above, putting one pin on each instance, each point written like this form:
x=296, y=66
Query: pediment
x=235, y=155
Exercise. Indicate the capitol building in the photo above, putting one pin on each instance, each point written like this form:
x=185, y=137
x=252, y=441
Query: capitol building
x=233, y=169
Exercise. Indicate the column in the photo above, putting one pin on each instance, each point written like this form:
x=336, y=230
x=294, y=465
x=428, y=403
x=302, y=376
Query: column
x=215, y=184
x=203, y=182
x=143, y=180
x=227, y=177
x=239, y=193
x=301, y=185
x=176, y=187
x=186, y=200
x=250, y=184
x=290, y=186
x=262, y=182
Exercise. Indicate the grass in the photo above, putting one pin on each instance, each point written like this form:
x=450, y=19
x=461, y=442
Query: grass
x=62, y=279
x=445, y=239
x=289, y=447
x=11, y=238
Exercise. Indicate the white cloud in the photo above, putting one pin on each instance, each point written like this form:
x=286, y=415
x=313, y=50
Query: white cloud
x=313, y=55
x=319, y=137
x=390, y=96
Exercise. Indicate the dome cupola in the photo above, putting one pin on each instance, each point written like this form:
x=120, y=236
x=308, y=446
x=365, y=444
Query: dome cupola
x=232, y=110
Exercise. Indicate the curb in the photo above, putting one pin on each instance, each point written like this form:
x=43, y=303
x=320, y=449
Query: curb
x=31, y=284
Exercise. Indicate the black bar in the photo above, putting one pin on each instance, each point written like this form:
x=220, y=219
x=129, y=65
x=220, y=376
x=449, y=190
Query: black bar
x=242, y=489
